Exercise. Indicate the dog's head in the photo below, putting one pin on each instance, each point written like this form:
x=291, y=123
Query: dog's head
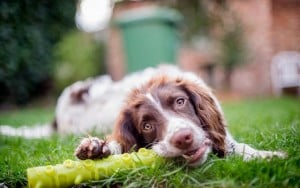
x=174, y=117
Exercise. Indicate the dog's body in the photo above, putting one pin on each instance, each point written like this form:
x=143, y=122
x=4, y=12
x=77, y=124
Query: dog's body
x=89, y=105
x=94, y=104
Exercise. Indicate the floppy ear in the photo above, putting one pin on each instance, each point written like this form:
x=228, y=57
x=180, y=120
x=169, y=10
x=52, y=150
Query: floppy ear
x=210, y=116
x=125, y=132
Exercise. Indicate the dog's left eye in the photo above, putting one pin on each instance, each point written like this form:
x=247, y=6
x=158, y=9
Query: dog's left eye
x=147, y=127
x=180, y=101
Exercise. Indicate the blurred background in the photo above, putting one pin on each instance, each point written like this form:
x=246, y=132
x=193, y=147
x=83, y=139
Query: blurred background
x=240, y=48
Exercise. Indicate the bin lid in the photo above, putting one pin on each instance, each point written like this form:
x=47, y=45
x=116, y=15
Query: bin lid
x=145, y=14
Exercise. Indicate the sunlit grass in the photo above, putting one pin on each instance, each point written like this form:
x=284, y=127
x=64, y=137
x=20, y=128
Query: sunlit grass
x=265, y=124
x=27, y=116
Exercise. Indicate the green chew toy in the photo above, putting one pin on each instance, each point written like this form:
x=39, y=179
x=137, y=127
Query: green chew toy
x=76, y=172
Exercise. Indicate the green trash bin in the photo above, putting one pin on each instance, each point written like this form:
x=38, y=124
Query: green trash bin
x=150, y=36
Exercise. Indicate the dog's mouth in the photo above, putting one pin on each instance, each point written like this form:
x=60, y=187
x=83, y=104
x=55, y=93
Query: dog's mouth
x=194, y=156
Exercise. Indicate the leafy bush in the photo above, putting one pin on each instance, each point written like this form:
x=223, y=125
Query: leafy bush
x=28, y=32
x=77, y=56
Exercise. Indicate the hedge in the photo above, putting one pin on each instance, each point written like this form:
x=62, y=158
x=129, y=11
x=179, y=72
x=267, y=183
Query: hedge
x=28, y=32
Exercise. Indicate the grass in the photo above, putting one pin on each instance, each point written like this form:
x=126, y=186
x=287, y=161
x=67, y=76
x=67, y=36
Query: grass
x=27, y=116
x=272, y=124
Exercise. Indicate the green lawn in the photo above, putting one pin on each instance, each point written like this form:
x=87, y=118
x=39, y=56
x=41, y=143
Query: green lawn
x=265, y=123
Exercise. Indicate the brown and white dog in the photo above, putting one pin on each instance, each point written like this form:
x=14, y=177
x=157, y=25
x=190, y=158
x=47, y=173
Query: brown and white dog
x=176, y=115
x=171, y=111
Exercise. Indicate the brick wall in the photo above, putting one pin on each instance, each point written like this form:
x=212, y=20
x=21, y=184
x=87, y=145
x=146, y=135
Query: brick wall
x=270, y=26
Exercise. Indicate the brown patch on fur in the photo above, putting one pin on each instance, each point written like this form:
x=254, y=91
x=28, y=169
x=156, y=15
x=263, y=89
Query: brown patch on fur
x=124, y=131
x=208, y=114
x=77, y=96
x=54, y=125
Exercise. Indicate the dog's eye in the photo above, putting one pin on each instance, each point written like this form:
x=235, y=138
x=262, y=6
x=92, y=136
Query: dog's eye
x=147, y=126
x=180, y=101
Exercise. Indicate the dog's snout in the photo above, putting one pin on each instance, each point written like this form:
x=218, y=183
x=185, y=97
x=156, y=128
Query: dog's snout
x=182, y=139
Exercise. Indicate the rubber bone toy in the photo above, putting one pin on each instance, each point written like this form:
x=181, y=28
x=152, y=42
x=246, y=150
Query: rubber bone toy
x=76, y=172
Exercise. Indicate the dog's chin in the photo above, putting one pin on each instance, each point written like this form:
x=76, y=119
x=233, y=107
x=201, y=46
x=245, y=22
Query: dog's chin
x=193, y=157
x=199, y=157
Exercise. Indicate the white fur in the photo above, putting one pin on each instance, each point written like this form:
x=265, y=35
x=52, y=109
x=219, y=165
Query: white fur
x=155, y=103
x=114, y=147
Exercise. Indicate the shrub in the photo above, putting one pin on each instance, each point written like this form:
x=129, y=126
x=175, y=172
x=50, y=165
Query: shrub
x=28, y=32
x=77, y=56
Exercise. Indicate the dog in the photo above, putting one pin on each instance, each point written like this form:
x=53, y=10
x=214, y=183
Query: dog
x=173, y=112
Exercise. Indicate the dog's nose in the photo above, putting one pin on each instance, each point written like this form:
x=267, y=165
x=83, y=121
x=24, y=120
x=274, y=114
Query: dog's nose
x=182, y=139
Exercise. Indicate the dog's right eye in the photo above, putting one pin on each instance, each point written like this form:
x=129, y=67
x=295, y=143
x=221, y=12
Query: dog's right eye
x=180, y=101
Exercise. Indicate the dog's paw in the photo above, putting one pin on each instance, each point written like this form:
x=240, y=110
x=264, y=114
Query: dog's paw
x=92, y=148
x=265, y=155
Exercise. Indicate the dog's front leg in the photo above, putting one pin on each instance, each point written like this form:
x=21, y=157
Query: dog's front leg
x=95, y=148
x=249, y=153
